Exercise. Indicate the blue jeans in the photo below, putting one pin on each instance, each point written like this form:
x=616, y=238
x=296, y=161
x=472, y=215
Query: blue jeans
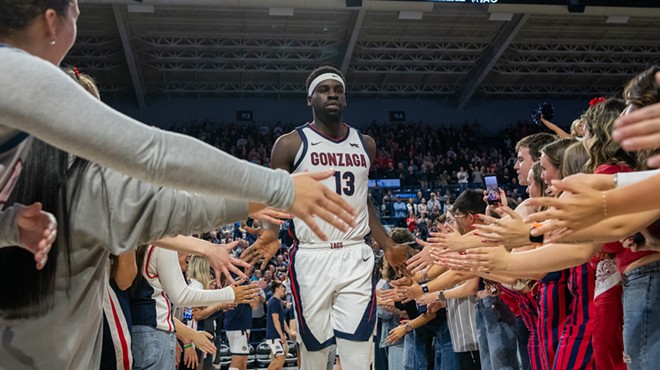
x=152, y=348
x=409, y=351
x=445, y=357
x=395, y=356
x=421, y=361
x=641, y=327
x=496, y=330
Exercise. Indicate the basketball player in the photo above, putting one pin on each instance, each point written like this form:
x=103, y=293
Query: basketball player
x=237, y=325
x=331, y=281
x=276, y=325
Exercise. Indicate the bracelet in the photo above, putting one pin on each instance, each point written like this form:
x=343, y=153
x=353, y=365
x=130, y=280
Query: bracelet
x=186, y=346
x=604, y=203
x=615, y=179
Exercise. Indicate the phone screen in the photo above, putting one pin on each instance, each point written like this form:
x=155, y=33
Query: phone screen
x=492, y=189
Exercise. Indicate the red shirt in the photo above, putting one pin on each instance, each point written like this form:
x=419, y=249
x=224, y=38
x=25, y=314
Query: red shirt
x=508, y=297
x=624, y=256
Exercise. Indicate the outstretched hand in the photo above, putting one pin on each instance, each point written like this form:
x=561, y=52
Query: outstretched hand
x=315, y=199
x=222, y=261
x=272, y=215
x=263, y=249
x=202, y=340
x=578, y=207
x=484, y=259
x=509, y=229
x=397, y=255
x=422, y=260
x=452, y=240
x=37, y=231
x=245, y=293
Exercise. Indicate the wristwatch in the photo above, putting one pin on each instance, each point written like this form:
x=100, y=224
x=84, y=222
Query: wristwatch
x=441, y=296
x=535, y=239
x=425, y=288
x=408, y=328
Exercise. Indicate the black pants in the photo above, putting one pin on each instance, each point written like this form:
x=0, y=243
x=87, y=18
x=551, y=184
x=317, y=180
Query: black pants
x=470, y=360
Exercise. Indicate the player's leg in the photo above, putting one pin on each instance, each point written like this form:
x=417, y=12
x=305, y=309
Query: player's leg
x=277, y=350
x=313, y=286
x=238, y=347
x=354, y=309
x=313, y=360
x=355, y=355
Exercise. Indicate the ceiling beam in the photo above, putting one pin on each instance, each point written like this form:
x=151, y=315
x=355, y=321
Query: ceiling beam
x=121, y=18
x=350, y=45
x=492, y=55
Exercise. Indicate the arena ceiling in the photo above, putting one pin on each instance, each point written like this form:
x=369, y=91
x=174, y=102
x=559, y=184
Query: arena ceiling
x=384, y=48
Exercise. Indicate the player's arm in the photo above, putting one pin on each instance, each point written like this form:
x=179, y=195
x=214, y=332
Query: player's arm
x=276, y=323
x=287, y=329
x=396, y=254
x=284, y=151
x=281, y=157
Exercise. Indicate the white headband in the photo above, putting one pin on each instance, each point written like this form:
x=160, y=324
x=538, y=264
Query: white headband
x=323, y=77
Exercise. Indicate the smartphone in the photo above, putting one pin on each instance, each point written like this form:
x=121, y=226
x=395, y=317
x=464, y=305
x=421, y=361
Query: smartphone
x=492, y=189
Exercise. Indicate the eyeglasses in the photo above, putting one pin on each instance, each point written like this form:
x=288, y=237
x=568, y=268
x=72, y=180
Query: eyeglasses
x=453, y=220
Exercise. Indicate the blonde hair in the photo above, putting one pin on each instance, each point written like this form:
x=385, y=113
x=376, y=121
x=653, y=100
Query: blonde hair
x=536, y=176
x=574, y=161
x=599, y=120
x=84, y=80
x=577, y=128
x=200, y=270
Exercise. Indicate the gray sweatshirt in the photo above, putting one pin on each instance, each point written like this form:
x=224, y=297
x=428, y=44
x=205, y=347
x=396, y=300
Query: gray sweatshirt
x=38, y=98
x=135, y=212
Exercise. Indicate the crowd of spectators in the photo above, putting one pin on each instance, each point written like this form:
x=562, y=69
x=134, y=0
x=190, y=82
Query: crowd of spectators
x=432, y=164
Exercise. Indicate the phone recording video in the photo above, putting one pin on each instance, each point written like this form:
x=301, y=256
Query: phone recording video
x=493, y=190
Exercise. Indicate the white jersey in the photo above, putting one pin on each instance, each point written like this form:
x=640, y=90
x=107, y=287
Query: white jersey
x=12, y=156
x=349, y=158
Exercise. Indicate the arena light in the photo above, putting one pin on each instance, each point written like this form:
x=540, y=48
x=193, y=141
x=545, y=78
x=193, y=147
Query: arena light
x=501, y=17
x=140, y=8
x=410, y=14
x=617, y=19
x=280, y=12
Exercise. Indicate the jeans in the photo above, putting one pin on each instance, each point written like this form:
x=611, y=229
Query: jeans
x=421, y=361
x=445, y=357
x=497, y=335
x=152, y=348
x=395, y=356
x=409, y=351
x=641, y=327
x=380, y=354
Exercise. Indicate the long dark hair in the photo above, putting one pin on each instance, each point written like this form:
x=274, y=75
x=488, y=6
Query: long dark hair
x=15, y=15
x=24, y=290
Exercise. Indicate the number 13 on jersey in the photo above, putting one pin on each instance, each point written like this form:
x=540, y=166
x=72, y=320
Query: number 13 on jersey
x=345, y=183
